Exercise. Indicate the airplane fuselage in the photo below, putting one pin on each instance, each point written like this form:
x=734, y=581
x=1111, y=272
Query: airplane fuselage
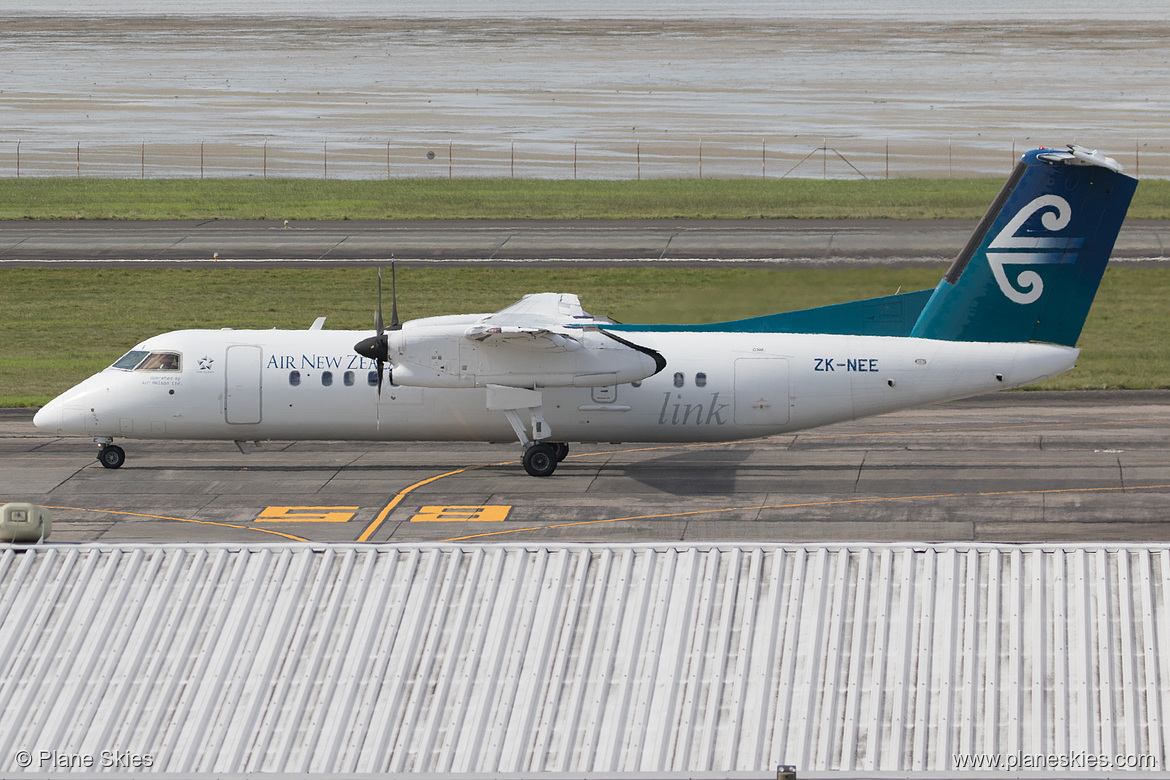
x=258, y=385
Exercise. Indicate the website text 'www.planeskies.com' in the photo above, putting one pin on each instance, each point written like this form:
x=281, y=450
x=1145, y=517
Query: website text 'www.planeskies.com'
x=1078, y=760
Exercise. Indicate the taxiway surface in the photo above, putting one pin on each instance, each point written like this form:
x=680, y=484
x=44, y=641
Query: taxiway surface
x=1031, y=466
x=25, y=242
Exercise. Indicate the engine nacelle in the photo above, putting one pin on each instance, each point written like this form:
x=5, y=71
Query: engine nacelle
x=447, y=354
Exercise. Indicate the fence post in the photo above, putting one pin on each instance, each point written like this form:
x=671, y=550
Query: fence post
x=450, y=163
x=763, y=158
x=887, y=157
x=513, y=158
x=142, y=160
x=200, y=159
x=1137, y=161
x=638, y=152
x=326, y=156
x=700, y=159
x=79, y=159
x=18, y=159
x=574, y=161
x=265, y=163
x=387, y=159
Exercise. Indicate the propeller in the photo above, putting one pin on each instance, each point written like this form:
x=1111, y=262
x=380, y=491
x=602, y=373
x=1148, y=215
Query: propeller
x=377, y=347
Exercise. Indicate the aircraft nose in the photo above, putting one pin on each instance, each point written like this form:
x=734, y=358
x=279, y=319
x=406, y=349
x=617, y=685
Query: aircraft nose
x=48, y=417
x=72, y=412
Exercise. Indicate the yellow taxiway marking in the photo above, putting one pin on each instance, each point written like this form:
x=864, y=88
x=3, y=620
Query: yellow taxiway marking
x=182, y=520
x=307, y=514
x=394, y=502
x=833, y=502
x=386, y=510
x=381, y=518
x=461, y=514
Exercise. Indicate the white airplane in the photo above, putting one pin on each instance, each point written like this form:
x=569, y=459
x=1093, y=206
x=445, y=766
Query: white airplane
x=1007, y=313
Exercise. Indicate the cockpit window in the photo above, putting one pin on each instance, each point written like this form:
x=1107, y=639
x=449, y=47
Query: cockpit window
x=130, y=359
x=140, y=360
x=160, y=361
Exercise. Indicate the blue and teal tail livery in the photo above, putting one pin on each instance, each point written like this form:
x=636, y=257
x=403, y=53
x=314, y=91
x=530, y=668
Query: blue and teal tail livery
x=1029, y=272
x=1032, y=267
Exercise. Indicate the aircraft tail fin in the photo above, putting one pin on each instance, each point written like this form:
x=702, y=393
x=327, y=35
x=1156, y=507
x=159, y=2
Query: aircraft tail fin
x=1032, y=267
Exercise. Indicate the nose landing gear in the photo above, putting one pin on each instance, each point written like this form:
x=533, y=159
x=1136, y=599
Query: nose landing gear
x=111, y=456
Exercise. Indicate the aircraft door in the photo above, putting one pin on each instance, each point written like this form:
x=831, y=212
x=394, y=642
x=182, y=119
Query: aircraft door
x=761, y=391
x=241, y=396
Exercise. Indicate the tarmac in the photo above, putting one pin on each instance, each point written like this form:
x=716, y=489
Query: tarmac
x=858, y=241
x=1011, y=467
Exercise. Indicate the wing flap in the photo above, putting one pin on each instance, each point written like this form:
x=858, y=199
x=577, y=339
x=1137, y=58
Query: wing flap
x=536, y=338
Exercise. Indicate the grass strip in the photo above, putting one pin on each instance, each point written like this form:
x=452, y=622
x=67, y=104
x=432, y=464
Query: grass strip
x=82, y=198
x=62, y=324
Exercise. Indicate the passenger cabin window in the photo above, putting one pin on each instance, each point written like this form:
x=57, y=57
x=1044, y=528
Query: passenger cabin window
x=700, y=379
x=294, y=378
x=348, y=379
x=326, y=378
x=372, y=379
x=679, y=379
x=141, y=360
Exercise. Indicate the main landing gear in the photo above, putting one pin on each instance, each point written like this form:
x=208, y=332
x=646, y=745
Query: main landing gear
x=541, y=458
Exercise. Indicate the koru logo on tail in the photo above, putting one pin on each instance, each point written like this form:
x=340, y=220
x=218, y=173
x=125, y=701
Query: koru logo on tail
x=1009, y=247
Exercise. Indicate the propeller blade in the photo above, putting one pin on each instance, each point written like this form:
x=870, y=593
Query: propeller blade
x=378, y=403
x=378, y=313
x=394, y=323
x=377, y=347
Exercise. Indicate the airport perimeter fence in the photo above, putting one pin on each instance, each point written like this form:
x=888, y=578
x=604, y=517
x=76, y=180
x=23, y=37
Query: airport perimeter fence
x=650, y=158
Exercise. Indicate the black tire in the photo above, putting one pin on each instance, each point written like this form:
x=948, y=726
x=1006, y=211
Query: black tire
x=111, y=456
x=540, y=460
x=562, y=450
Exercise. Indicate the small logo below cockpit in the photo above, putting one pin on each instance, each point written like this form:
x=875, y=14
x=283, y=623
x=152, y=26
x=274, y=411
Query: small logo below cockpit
x=205, y=363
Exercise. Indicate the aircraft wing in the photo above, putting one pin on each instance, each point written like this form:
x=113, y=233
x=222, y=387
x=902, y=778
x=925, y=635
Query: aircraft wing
x=536, y=322
x=542, y=340
x=545, y=308
x=545, y=339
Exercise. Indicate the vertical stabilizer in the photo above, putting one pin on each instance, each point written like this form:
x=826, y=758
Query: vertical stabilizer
x=1032, y=267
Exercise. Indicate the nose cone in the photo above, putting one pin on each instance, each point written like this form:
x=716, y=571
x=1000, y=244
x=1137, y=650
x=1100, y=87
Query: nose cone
x=48, y=417
x=78, y=410
x=374, y=348
x=63, y=415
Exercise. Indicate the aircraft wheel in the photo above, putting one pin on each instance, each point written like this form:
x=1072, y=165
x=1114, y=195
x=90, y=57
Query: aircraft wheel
x=562, y=450
x=111, y=456
x=540, y=460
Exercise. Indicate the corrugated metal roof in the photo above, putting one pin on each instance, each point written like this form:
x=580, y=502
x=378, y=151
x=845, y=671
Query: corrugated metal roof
x=584, y=659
